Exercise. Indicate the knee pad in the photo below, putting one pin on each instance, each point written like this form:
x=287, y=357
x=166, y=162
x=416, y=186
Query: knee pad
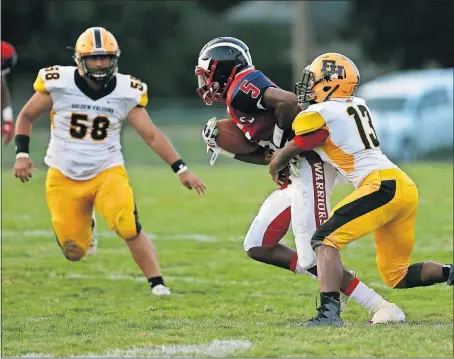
x=73, y=241
x=72, y=251
x=127, y=224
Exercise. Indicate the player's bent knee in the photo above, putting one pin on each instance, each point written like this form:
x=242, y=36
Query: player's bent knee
x=254, y=237
x=72, y=251
x=127, y=225
x=259, y=253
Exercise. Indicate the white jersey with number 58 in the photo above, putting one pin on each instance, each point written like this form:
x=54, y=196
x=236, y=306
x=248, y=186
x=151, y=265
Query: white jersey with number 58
x=352, y=146
x=86, y=124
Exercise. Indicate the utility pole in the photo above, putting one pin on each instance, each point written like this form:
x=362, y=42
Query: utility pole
x=300, y=38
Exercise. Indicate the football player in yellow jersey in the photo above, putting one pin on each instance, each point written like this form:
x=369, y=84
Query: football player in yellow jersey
x=87, y=105
x=339, y=127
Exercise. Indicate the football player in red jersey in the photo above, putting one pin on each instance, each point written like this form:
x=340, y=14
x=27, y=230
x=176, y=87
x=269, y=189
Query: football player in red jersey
x=265, y=113
x=9, y=58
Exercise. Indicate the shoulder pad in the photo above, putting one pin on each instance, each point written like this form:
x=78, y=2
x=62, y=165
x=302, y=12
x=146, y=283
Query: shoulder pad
x=307, y=121
x=248, y=92
x=359, y=100
x=53, y=78
x=133, y=89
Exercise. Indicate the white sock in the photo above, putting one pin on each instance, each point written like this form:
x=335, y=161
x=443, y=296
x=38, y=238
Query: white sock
x=301, y=270
x=367, y=297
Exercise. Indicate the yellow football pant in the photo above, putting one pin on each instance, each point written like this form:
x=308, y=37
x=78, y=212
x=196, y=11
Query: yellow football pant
x=71, y=203
x=385, y=203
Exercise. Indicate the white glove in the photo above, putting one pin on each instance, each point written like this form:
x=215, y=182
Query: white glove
x=209, y=134
x=294, y=165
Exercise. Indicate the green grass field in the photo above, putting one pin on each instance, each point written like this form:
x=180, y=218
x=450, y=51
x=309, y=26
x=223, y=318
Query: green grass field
x=223, y=303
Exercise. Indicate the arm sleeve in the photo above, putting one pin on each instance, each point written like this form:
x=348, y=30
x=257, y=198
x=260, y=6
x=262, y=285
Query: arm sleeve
x=311, y=140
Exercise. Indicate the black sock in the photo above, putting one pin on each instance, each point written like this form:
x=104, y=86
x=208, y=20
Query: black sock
x=445, y=270
x=154, y=281
x=332, y=295
x=313, y=270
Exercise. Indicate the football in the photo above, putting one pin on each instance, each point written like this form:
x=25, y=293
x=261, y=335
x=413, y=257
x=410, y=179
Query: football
x=230, y=138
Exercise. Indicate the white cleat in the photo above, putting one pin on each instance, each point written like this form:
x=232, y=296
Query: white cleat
x=160, y=290
x=388, y=313
x=343, y=301
x=94, y=238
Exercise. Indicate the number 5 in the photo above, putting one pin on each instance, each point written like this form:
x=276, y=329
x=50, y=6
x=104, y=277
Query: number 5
x=247, y=87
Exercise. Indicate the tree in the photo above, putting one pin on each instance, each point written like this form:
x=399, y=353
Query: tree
x=410, y=34
x=218, y=5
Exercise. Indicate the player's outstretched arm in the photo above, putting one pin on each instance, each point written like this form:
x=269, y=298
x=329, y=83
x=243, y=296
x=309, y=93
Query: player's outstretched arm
x=158, y=142
x=39, y=103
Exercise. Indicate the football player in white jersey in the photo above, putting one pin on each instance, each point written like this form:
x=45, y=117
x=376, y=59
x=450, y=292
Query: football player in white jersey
x=340, y=129
x=87, y=105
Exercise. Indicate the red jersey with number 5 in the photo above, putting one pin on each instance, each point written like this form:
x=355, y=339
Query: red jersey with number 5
x=246, y=107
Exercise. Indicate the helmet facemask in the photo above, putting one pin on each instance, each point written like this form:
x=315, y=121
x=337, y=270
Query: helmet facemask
x=304, y=88
x=103, y=75
x=213, y=84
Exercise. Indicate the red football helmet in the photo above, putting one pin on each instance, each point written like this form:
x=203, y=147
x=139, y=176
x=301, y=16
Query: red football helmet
x=9, y=57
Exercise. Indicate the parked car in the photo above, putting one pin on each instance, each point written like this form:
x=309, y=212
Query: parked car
x=412, y=111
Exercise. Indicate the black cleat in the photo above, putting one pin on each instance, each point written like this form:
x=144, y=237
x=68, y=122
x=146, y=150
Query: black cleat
x=451, y=276
x=328, y=314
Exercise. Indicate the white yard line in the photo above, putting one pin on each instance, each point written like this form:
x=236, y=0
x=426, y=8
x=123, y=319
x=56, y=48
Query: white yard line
x=198, y=237
x=215, y=349
x=117, y=277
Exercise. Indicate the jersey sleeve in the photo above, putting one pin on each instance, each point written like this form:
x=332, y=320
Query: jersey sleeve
x=137, y=92
x=52, y=80
x=143, y=102
x=306, y=122
x=39, y=85
x=248, y=94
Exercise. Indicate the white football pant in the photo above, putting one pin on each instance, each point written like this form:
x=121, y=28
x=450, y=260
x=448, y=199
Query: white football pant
x=304, y=204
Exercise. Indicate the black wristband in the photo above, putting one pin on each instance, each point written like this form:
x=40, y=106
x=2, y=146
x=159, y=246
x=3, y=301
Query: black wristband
x=22, y=144
x=178, y=165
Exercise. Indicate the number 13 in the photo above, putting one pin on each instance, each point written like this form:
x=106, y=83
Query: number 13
x=365, y=138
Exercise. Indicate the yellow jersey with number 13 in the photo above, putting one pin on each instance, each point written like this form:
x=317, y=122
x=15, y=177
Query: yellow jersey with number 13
x=352, y=146
x=86, y=124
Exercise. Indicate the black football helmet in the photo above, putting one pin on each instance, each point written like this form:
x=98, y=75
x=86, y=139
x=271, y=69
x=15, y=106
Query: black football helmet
x=219, y=61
